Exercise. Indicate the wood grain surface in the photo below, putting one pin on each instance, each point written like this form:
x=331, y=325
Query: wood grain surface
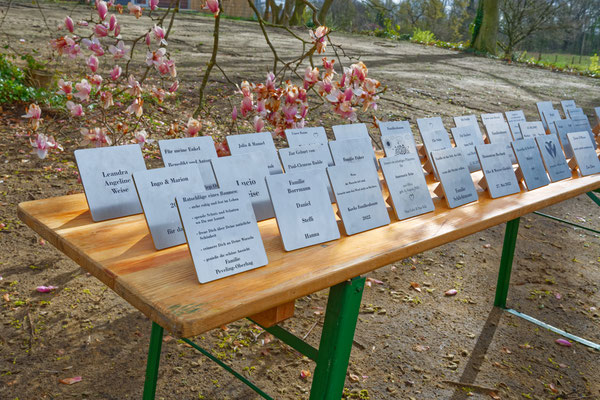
x=163, y=284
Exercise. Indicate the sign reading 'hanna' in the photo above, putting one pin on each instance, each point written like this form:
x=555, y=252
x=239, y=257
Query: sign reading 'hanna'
x=106, y=176
x=302, y=208
x=221, y=232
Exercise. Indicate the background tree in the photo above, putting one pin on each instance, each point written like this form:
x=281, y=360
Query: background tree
x=485, y=30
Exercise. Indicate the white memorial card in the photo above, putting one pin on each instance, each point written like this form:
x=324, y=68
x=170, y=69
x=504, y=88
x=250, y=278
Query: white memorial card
x=563, y=127
x=350, y=131
x=499, y=176
x=157, y=189
x=531, y=167
x=500, y=133
x=531, y=129
x=221, y=232
x=358, y=197
x=492, y=118
x=553, y=157
x=251, y=142
x=395, y=128
x=399, y=144
x=303, y=210
x=303, y=136
x=350, y=151
x=247, y=173
x=455, y=179
x=106, y=176
x=550, y=117
x=514, y=118
x=567, y=105
x=543, y=106
x=585, y=154
x=467, y=137
x=194, y=150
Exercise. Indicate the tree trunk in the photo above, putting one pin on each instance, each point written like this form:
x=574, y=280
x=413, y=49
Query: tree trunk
x=323, y=11
x=485, y=37
x=298, y=13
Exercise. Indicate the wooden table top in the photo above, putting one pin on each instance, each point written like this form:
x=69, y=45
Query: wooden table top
x=163, y=284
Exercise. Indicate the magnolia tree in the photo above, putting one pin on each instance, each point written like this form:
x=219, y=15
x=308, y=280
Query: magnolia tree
x=108, y=101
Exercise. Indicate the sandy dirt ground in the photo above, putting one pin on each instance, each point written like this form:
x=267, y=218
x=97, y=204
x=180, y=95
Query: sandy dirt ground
x=408, y=344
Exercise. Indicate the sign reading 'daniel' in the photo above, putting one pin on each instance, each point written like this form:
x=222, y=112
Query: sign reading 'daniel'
x=157, y=189
x=500, y=133
x=531, y=129
x=195, y=150
x=221, y=232
x=399, y=144
x=394, y=128
x=251, y=142
x=500, y=179
x=302, y=208
x=106, y=176
x=585, y=155
x=467, y=137
x=553, y=157
x=350, y=151
x=514, y=118
x=358, y=197
x=302, y=136
x=455, y=179
x=350, y=131
x=247, y=172
x=407, y=186
x=531, y=167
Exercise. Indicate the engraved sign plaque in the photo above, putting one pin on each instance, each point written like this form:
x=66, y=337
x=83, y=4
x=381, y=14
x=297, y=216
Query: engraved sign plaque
x=563, y=127
x=465, y=120
x=553, y=157
x=531, y=129
x=493, y=118
x=500, y=179
x=302, y=136
x=106, y=176
x=581, y=123
x=399, y=144
x=358, y=197
x=350, y=131
x=467, y=137
x=157, y=189
x=261, y=141
x=222, y=234
x=352, y=150
x=550, y=117
x=194, y=150
x=407, y=186
x=302, y=208
x=247, y=173
x=430, y=124
x=314, y=157
x=531, y=167
x=575, y=113
x=566, y=105
x=500, y=133
x=455, y=179
x=585, y=155
x=541, y=107
x=597, y=112
x=513, y=118
x=394, y=128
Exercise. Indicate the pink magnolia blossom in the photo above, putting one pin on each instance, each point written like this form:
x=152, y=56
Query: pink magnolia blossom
x=118, y=51
x=319, y=37
x=115, y=73
x=246, y=106
x=328, y=66
x=65, y=88
x=112, y=22
x=34, y=113
x=147, y=39
x=342, y=105
x=159, y=94
x=153, y=4
x=82, y=23
x=133, y=87
x=92, y=63
x=311, y=76
x=159, y=35
x=66, y=46
x=83, y=90
x=234, y=113
x=173, y=88
x=137, y=107
x=213, y=6
x=141, y=137
x=193, y=127
x=102, y=9
x=97, y=136
x=167, y=67
x=155, y=57
x=75, y=109
x=135, y=10
x=96, y=80
x=117, y=30
x=42, y=144
x=324, y=87
x=258, y=124
x=101, y=30
x=94, y=45
x=69, y=24
x=260, y=107
x=106, y=98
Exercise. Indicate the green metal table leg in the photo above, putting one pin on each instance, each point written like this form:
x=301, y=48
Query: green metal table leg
x=336, y=340
x=594, y=197
x=508, y=252
x=153, y=360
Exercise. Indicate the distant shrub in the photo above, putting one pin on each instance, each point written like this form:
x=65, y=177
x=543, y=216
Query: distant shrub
x=423, y=36
x=594, y=68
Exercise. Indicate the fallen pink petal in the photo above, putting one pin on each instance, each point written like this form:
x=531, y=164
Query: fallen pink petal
x=46, y=289
x=563, y=342
x=451, y=292
x=70, y=381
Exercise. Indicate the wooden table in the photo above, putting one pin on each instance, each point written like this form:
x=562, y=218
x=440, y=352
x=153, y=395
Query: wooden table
x=163, y=284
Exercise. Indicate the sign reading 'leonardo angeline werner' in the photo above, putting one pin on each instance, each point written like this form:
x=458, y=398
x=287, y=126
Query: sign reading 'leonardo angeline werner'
x=106, y=176
x=358, y=197
x=222, y=234
x=196, y=151
x=303, y=210
x=157, y=189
